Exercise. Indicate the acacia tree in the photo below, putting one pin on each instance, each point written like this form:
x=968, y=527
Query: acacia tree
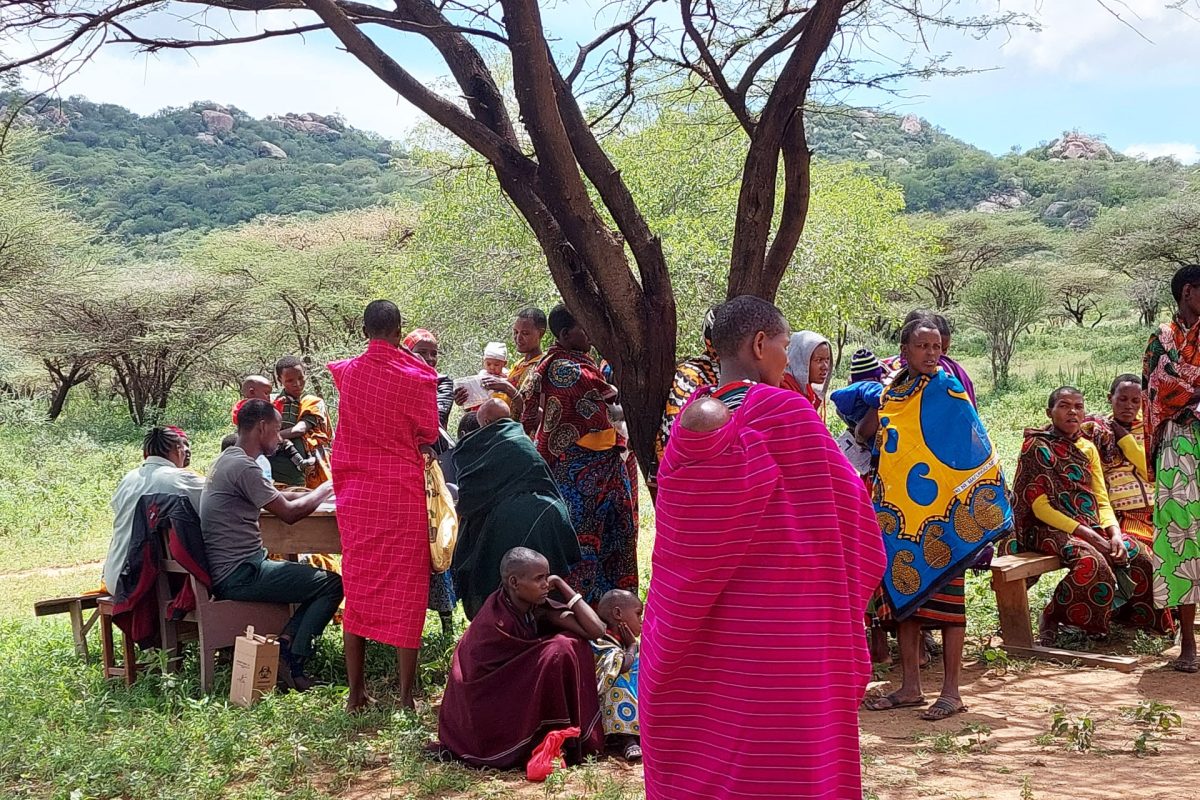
x=682, y=166
x=1147, y=241
x=150, y=327
x=1003, y=305
x=42, y=250
x=307, y=278
x=760, y=56
x=1079, y=292
x=969, y=243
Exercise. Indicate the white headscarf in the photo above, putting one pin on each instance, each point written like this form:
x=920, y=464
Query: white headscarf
x=800, y=350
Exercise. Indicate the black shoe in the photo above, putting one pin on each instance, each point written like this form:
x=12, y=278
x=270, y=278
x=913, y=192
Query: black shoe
x=291, y=669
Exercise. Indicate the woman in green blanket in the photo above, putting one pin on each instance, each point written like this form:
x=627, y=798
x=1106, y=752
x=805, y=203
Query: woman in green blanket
x=506, y=499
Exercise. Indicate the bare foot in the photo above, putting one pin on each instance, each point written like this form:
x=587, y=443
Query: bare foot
x=357, y=703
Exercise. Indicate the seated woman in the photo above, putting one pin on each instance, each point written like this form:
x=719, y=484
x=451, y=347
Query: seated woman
x=523, y=669
x=1121, y=441
x=506, y=499
x=1062, y=508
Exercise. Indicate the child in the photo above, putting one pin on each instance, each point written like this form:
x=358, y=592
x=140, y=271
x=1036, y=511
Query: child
x=470, y=393
x=305, y=424
x=617, y=669
x=863, y=395
x=256, y=387
x=495, y=360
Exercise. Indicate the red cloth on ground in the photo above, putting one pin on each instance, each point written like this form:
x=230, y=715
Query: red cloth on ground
x=513, y=681
x=387, y=409
x=754, y=658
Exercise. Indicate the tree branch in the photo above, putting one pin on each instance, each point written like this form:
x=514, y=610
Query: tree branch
x=715, y=75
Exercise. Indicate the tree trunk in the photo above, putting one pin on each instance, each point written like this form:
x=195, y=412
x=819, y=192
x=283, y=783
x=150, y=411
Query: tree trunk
x=58, y=400
x=64, y=382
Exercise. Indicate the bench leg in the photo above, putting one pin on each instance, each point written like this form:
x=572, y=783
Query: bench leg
x=78, y=631
x=1012, y=603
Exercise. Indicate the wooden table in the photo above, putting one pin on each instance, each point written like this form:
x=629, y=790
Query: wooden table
x=316, y=533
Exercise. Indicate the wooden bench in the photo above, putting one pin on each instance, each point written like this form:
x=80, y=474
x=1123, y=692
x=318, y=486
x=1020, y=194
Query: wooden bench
x=1009, y=573
x=75, y=606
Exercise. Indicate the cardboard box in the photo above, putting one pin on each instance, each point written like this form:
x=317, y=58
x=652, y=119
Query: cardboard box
x=255, y=667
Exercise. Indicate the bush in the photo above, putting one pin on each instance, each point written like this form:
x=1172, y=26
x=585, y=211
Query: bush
x=1003, y=305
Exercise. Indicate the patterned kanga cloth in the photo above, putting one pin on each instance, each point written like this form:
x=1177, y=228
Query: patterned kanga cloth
x=939, y=492
x=1177, y=517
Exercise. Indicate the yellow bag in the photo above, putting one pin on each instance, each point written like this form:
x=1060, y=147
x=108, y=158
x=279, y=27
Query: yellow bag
x=443, y=521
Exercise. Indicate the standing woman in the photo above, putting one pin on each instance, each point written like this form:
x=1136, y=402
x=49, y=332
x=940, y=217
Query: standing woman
x=1171, y=375
x=424, y=345
x=387, y=415
x=940, y=500
x=810, y=362
x=567, y=396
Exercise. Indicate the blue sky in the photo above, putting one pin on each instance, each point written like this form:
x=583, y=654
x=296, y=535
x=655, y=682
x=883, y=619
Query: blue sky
x=1084, y=70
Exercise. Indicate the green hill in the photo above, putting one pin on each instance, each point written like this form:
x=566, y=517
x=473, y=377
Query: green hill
x=1064, y=182
x=208, y=165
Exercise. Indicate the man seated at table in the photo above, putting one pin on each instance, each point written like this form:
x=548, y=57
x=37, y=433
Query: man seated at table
x=235, y=493
x=166, y=455
x=523, y=669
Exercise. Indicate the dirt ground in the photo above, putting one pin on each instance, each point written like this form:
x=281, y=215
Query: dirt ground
x=905, y=758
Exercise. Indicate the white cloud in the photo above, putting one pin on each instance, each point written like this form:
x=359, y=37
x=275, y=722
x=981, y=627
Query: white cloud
x=1181, y=151
x=1090, y=40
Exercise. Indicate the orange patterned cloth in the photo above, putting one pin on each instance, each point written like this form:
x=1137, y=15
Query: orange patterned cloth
x=1171, y=378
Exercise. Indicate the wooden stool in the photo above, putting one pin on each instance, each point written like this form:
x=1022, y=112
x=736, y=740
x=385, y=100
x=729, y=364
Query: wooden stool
x=127, y=669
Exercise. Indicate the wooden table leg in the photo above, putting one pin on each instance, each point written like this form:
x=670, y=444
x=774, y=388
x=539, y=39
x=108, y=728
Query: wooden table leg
x=78, y=631
x=1012, y=603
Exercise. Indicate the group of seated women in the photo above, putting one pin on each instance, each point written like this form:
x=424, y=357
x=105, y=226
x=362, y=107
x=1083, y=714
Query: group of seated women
x=1082, y=492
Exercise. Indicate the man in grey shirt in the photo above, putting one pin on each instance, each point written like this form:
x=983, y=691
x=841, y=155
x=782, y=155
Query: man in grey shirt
x=234, y=495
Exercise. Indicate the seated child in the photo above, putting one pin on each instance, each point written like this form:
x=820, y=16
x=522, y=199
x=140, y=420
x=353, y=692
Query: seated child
x=617, y=669
x=256, y=387
x=863, y=395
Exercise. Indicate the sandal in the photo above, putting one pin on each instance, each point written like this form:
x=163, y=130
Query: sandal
x=1190, y=666
x=943, y=708
x=889, y=702
x=633, y=751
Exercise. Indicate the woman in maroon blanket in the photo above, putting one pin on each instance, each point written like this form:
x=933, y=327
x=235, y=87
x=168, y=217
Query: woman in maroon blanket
x=523, y=668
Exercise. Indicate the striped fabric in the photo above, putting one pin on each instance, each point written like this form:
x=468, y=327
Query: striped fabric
x=388, y=408
x=754, y=658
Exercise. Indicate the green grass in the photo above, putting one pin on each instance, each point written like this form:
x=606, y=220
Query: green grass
x=66, y=733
